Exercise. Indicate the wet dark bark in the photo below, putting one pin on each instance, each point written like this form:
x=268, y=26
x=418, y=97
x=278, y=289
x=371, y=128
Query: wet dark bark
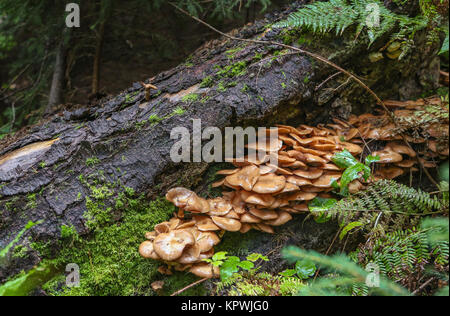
x=129, y=148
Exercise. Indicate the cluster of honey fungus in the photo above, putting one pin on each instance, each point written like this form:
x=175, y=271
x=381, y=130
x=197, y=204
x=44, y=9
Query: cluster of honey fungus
x=264, y=195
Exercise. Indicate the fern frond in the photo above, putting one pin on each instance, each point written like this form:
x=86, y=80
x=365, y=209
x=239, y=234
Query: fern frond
x=385, y=206
x=338, y=15
x=402, y=254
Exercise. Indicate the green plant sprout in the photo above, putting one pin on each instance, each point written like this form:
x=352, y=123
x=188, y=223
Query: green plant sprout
x=229, y=265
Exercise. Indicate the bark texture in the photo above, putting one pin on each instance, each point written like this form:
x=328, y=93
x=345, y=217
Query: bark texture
x=117, y=138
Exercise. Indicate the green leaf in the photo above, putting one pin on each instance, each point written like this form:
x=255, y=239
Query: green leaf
x=344, y=159
x=227, y=270
x=371, y=159
x=319, y=207
x=305, y=269
x=233, y=259
x=322, y=217
x=222, y=255
x=24, y=284
x=353, y=173
x=246, y=265
x=288, y=273
x=321, y=204
x=256, y=256
x=335, y=185
x=348, y=228
x=217, y=263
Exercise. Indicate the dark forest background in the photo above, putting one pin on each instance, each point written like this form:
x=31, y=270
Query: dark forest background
x=117, y=43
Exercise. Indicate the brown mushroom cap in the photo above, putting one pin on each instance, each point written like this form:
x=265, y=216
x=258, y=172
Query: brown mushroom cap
x=283, y=158
x=164, y=270
x=289, y=187
x=299, y=181
x=283, y=218
x=218, y=183
x=207, y=254
x=264, y=214
x=245, y=178
x=233, y=214
x=401, y=149
x=146, y=250
x=205, y=270
x=265, y=200
x=263, y=169
x=280, y=202
x=312, y=189
x=269, y=183
x=389, y=172
x=206, y=240
x=314, y=160
x=301, y=196
x=197, y=204
x=311, y=173
x=204, y=223
x=331, y=167
x=295, y=165
x=227, y=172
x=311, y=151
x=249, y=218
x=186, y=224
x=352, y=148
x=219, y=207
x=157, y=285
x=287, y=140
x=245, y=228
x=150, y=235
x=174, y=223
x=182, y=267
x=170, y=246
x=190, y=255
x=179, y=196
x=326, y=180
x=387, y=156
x=302, y=207
x=274, y=145
x=351, y=134
x=279, y=170
x=405, y=163
x=355, y=186
x=161, y=228
x=297, y=155
x=324, y=147
x=228, y=224
x=264, y=228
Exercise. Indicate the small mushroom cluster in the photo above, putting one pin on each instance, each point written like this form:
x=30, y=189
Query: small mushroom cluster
x=429, y=135
x=264, y=195
x=183, y=244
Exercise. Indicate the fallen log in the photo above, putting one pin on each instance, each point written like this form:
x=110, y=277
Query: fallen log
x=52, y=172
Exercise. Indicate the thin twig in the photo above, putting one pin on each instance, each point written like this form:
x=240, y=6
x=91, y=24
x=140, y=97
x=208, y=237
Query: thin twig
x=189, y=286
x=326, y=80
x=422, y=286
x=15, y=78
x=328, y=251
